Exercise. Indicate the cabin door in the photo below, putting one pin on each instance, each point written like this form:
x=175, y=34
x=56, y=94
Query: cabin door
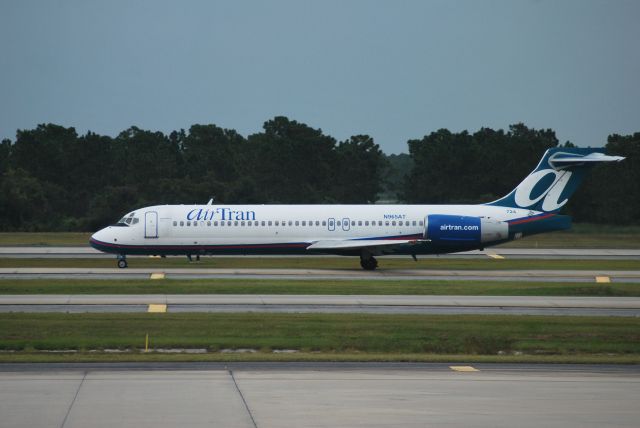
x=151, y=224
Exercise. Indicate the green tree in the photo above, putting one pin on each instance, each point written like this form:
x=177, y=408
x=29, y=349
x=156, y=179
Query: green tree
x=291, y=162
x=611, y=193
x=465, y=168
x=359, y=169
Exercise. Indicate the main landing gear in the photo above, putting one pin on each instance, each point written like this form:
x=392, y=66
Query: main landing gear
x=190, y=259
x=122, y=261
x=368, y=263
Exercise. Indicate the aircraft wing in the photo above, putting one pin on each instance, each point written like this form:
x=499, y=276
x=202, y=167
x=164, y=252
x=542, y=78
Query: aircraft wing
x=344, y=244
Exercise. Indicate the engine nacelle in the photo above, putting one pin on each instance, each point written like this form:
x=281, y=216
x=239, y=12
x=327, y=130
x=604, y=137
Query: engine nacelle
x=464, y=230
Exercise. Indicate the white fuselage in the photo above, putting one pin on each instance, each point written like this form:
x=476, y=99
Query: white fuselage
x=184, y=228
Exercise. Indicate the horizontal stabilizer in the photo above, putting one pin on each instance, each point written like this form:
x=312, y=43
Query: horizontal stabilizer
x=562, y=160
x=336, y=244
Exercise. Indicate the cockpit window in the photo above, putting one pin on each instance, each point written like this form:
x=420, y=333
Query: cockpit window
x=127, y=220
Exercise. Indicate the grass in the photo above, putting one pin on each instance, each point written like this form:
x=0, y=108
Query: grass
x=328, y=263
x=315, y=287
x=580, y=236
x=359, y=336
x=54, y=239
x=583, y=236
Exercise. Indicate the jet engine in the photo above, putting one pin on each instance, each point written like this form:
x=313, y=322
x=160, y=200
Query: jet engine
x=464, y=230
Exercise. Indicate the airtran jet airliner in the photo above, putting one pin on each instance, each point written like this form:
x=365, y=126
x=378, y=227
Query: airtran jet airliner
x=355, y=230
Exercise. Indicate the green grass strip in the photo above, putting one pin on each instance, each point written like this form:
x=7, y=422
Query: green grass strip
x=329, y=263
x=326, y=333
x=315, y=287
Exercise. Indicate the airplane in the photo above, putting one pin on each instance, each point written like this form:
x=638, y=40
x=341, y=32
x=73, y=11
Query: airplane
x=366, y=231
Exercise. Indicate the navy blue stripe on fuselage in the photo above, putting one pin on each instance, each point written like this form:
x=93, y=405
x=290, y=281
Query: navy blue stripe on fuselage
x=286, y=247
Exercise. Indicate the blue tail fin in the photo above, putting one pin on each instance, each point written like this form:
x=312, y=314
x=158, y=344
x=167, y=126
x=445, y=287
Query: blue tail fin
x=554, y=180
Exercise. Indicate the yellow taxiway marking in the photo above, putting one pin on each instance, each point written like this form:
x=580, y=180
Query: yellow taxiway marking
x=603, y=279
x=495, y=256
x=463, y=369
x=157, y=308
x=157, y=275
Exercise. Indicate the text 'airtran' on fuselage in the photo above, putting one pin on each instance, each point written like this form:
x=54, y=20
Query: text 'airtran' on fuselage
x=220, y=214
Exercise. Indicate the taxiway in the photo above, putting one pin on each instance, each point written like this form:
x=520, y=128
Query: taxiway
x=316, y=394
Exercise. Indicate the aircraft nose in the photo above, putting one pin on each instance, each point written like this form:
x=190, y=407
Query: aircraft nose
x=103, y=240
x=98, y=238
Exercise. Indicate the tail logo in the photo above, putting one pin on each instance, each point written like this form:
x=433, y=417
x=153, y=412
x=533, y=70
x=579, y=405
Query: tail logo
x=550, y=196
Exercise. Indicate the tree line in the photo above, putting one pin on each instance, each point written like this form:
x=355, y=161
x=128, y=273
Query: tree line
x=53, y=179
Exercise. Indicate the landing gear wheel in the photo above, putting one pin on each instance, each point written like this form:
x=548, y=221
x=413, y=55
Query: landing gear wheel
x=369, y=264
x=122, y=263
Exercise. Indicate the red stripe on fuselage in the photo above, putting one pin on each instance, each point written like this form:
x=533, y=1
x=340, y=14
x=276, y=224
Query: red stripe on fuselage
x=530, y=219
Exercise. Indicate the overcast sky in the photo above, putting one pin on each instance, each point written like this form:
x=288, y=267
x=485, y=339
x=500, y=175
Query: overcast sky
x=395, y=70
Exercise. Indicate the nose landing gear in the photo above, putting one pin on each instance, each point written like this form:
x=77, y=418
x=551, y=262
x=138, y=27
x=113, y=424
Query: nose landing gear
x=122, y=261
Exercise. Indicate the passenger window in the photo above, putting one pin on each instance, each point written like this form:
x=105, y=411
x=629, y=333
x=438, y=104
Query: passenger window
x=414, y=222
x=304, y=223
x=195, y=223
x=366, y=223
x=249, y=223
x=290, y=223
x=182, y=223
x=175, y=223
x=421, y=223
x=263, y=223
x=208, y=223
x=386, y=223
x=324, y=222
x=188, y=223
x=353, y=222
x=359, y=222
x=400, y=223
x=242, y=223
x=235, y=223
x=338, y=223
x=229, y=223
x=215, y=223
x=393, y=223
x=269, y=223
x=317, y=222
x=277, y=223
x=297, y=223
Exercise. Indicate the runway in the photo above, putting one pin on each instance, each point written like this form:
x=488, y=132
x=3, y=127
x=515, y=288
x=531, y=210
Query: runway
x=382, y=304
x=522, y=253
x=334, y=274
x=316, y=394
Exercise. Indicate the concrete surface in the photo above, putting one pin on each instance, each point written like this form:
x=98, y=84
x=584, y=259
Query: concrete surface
x=347, y=397
x=380, y=304
x=543, y=275
x=544, y=253
x=333, y=300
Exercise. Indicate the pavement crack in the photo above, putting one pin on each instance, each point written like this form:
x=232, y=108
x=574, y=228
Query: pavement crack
x=246, y=406
x=64, y=421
